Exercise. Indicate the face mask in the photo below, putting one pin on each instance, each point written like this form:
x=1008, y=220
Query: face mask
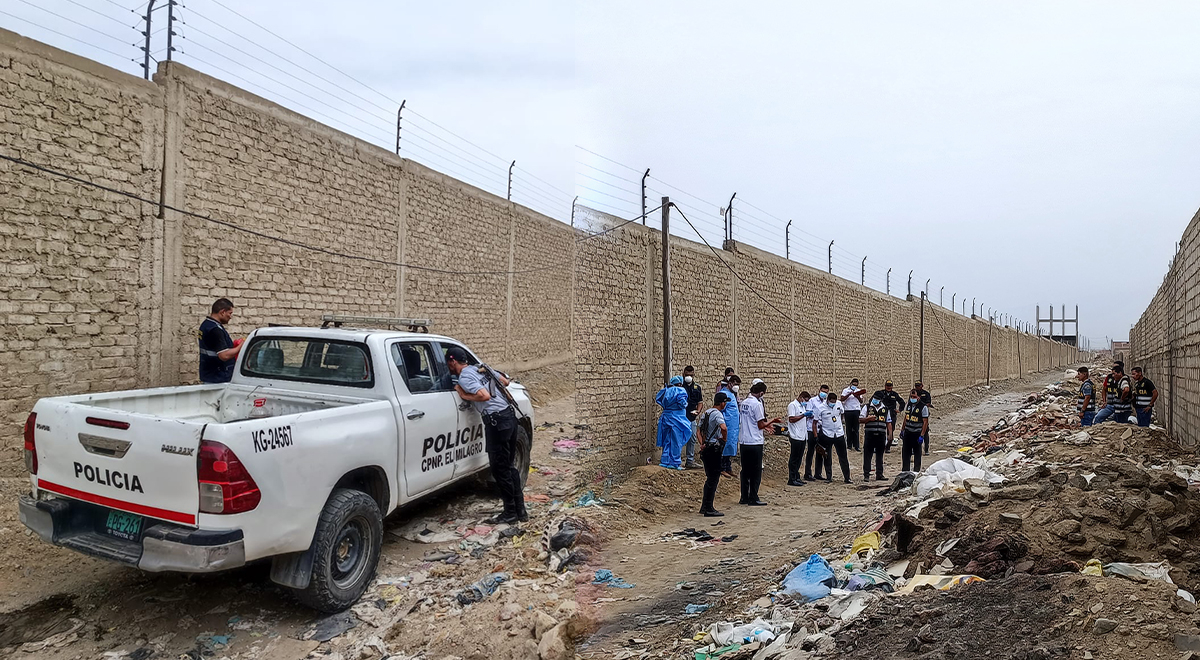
x=823, y=395
x=735, y=389
x=912, y=400
x=874, y=402
x=832, y=404
x=687, y=379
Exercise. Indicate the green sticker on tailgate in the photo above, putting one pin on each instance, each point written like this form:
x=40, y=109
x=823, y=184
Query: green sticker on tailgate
x=123, y=525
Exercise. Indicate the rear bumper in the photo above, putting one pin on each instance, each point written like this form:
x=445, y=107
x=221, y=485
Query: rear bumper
x=163, y=546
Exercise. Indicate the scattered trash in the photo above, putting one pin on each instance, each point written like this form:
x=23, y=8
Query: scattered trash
x=481, y=589
x=939, y=582
x=1140, y=572
x=811, y=580
x=695, y=609
x=331, y=626
x=606, y=578
x=867, y=543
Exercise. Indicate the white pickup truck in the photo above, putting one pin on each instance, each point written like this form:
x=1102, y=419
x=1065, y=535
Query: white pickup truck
x=321, y=433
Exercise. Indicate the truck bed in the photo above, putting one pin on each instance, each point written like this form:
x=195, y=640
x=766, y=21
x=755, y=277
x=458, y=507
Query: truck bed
x=213, y=404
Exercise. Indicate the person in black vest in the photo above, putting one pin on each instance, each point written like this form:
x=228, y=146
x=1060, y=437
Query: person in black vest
x=891, y=400
x=1145, y=395
x=218, y=352
x=927, y=399
x=1118, y=396
x=695, y=398
x=874, y=419
x=1085, y=404
x=916, y=423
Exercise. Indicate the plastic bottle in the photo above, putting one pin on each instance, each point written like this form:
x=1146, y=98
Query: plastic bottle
x=481, y=589
x=259, y=411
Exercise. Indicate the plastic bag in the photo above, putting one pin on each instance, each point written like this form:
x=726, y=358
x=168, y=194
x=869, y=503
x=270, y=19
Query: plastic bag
x=951, y=472
x=1092, y=567
x=868, y=541
x=1140, y=572
x=811, y=580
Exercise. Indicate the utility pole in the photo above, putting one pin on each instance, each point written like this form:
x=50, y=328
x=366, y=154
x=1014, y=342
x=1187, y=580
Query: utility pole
x=989, y=364
x=666, y=286
x=921, y=370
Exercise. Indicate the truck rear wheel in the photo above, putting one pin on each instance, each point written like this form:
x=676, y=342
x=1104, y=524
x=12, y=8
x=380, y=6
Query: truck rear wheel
x=346, y=551
x=521, y=457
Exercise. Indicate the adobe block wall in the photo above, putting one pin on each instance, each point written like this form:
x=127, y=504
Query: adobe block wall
x=1166, y=341
x=78, y=302
x=100, y=293
x=841, y=331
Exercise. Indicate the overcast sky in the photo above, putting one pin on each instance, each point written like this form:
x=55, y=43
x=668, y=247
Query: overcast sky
x=1018, y=152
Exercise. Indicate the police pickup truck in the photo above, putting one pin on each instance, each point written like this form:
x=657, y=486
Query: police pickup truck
x=321, y=433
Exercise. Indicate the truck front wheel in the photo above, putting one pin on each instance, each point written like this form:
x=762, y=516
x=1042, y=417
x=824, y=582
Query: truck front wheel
x=346, y=551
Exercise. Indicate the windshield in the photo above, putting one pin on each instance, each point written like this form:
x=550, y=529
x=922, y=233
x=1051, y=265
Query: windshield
x=309, y=360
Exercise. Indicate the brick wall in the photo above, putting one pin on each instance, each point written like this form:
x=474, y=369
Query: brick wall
x=77, y=272
x=99, y=293
x=841, y=331
x=1166, y=341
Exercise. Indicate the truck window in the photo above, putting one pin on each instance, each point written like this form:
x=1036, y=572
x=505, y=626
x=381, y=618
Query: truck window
x=443, y=347
x=309, y=360
x=421, y=372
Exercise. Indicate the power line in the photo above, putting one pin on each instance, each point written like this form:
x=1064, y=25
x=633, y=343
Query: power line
x=611, y=185
x=534, y=176
x=297, y=244
x=100, y=13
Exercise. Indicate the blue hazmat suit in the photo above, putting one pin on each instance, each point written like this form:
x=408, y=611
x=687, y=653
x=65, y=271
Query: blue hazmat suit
x=732, y=419
x=674, y=429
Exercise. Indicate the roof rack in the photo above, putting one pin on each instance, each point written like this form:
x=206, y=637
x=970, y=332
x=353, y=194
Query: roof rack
x=390, y=322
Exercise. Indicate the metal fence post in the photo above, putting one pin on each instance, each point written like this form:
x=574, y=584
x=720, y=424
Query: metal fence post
x=787, y=241
x=830, y=257
x=510, y=170
x=644, y=195
x=399, y=112
x=147, y=32
x=864, y=272
x=889, y=282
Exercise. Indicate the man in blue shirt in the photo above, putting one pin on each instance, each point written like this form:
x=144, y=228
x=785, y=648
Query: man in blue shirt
x=218, y=352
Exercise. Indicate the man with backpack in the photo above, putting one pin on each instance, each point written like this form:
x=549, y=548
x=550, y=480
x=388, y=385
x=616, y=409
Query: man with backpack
x=712, y=434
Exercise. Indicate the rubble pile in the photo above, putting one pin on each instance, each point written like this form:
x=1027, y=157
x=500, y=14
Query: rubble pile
x=1040, y=540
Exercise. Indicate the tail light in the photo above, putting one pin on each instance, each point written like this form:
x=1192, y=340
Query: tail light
x=225, y=484
x=30, y=444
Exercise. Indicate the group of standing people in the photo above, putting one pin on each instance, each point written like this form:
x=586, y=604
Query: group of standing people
x=816, y=427
x=1120, y=397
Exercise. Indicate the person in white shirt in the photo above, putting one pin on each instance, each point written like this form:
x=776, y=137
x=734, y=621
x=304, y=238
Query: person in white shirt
x=852, y=401
x=832, y=435
x=799, y=426
x=814, y=448
x=750, y=437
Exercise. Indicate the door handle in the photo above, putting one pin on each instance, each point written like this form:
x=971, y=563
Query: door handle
x=415, y=414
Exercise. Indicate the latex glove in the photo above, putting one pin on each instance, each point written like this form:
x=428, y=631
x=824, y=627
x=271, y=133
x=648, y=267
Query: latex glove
x=921, y=440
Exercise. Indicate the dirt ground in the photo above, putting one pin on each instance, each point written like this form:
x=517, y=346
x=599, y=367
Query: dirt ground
x=57, y=605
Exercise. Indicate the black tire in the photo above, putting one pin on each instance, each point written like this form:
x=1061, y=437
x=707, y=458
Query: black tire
x=346, y=548
x=522, y=454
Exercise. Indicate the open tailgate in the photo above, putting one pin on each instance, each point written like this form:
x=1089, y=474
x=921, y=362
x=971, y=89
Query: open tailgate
x=131, y=462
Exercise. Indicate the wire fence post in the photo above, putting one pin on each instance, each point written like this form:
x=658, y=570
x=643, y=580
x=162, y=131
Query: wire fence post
x=147, y=32
x=644, y=195
x=910, y=283
x=989, y=364
x=729, y=218
x=573, y=203
x=170, y=27
x=510, y=170
x=398, y=113
x=830, y=257
x=942, y=297
x=889, y=282
x=952, y=297
x=863, y=277
x=787, y=241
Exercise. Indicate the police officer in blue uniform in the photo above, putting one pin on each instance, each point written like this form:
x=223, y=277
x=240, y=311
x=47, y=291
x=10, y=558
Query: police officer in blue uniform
x=218, y=352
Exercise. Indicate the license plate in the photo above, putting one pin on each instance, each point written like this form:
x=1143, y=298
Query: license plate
x=123, y=525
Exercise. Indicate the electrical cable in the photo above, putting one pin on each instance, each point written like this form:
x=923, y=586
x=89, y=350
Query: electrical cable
x=297, y=244
x=426, y=133
x=534, y=186
x=61, y=34
x=946, y=334
x=70, y=20
x=601, y=192
x=534, y=176
x=100, y=13
x=743, y=280
x=611, y=185
x=632, y=169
